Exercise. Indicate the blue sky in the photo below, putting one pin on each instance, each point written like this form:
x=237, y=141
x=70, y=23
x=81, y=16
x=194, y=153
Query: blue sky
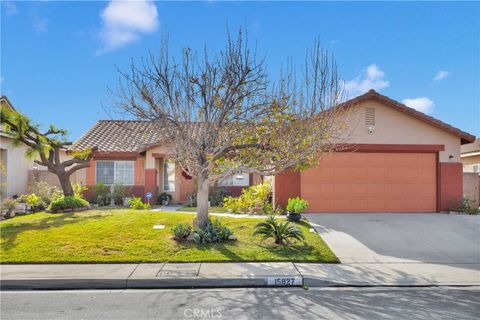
x=58, y=58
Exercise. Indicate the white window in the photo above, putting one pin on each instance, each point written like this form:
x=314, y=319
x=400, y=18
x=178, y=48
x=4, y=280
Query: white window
x=168, y=176
x=115, y=172
x=476, y=168
x=237, y=180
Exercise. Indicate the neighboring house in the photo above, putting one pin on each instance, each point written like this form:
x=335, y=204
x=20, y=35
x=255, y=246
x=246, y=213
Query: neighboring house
x=470, y=156
x=14, y=165
x=402, y=161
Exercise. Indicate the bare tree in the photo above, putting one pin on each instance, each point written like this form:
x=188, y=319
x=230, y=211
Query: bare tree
x=46, y=146
x=225, y=115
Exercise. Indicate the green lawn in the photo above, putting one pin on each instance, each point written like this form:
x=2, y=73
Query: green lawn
x=211, y=209
x=128, y=236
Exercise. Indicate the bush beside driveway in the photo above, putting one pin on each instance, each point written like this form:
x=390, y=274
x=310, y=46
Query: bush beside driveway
x=128, y=236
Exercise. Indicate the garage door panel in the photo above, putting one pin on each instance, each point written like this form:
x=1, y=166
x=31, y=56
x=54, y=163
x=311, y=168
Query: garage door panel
x=372, y=182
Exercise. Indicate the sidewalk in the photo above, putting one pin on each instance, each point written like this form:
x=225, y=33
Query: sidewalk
x=211, y=275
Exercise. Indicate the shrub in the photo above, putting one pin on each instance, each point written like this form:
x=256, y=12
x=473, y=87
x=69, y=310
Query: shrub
x=296, y=205
x=281, y=232
x=120, y=192
x=35, y=202
x=181, y=231
x=79, y=190
x=137, y=204
x=45, y=191
x=164, y=198
x=216, y=196
x=253, y=199
x=467, y=206
x=214, y=231
x=68, y=203
x=191, y=200
x=101, y=192
x=8, y=204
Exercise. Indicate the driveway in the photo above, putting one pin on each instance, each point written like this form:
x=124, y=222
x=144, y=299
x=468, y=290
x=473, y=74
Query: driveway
x=401, y=238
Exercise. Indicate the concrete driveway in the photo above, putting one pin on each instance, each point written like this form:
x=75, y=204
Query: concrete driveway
x=401, y=238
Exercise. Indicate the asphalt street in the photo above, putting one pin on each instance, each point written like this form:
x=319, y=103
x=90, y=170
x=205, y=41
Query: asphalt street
x=245, y=303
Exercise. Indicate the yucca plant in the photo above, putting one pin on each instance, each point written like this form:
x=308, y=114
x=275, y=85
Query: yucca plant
x=280, y=231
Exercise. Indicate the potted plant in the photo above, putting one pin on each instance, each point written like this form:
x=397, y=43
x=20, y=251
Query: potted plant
x=164, y=199
x=295, y=207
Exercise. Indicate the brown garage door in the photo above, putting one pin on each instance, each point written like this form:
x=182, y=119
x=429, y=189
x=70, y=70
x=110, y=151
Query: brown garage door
x=372, y=182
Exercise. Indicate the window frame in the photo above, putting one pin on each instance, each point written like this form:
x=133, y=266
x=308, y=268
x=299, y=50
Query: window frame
x=229, y=181
x=166, y=179
x=115, y=163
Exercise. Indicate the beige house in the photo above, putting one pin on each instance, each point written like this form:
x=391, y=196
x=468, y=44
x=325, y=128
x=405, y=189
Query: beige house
x=470, y=156
x=14, y=165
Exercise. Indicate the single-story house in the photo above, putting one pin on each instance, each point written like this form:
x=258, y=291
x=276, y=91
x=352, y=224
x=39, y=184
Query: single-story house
x=132, y=153
x=396, y=160
x=13, y=164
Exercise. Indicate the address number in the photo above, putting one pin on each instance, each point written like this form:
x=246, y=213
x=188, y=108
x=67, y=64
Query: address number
x=284, y=281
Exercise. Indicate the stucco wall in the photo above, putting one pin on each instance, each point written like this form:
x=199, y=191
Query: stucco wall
x=471, y=187
x=470, y=161
x=395, y=127
x=16, y=167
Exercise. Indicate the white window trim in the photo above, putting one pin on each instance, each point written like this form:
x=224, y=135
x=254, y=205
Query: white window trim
x=114, y=169
x=230, y=181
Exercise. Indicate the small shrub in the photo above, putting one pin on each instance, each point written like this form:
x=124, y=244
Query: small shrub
x=164, y=198
x=101, y=192
x=253, y=199
x=214, y=231
x=120, y=192
x=68, y=203
x=467, y=206
x=216, y=196
x=35, y=202
x=191, y=200
x=79, y=190
x=281, y=232
x=8, y=204
x=45, y=191
x=296, y=205
x=137, y=204
x=181, y=231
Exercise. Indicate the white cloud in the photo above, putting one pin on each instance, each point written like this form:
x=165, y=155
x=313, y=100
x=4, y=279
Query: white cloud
x=124, y=21
x=422, y=104
x=40, y=24
x=440, y=75
x=372, y=78
x=10, y=8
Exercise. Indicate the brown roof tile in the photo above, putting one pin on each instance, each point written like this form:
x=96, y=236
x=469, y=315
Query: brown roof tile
x=471, y=147
x=121, y=136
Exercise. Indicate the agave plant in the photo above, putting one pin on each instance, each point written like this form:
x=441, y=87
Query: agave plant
x=280, y=231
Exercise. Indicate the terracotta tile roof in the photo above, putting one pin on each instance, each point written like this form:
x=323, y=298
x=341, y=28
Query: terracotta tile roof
x=121, y=136
x=465, y=137
x=471, y=147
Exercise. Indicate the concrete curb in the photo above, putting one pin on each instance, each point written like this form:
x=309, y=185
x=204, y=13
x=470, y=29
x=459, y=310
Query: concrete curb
x=158, y=283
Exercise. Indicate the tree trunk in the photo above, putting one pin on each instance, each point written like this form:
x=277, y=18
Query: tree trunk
x=202, y=201
x=66, y=185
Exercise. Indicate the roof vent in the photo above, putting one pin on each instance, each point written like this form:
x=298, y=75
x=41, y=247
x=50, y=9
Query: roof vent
x=370, y=116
